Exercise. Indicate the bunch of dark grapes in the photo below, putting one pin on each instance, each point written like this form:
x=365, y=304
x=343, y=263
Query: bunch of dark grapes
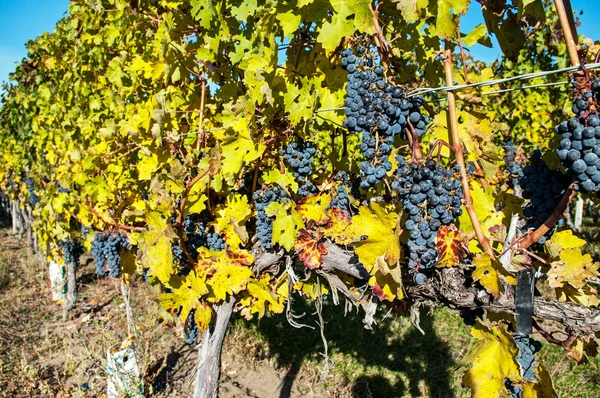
x=527, y=349
x=264, y=223
x=72, y=250
x=341, y=200
x=432, y=197
x=197, y=234
x=105, y=249
x=579, y=149
x=299, y=155
x=543, y=188
x=190, y=329
x=33, y=198
x=379, y=111
x=62, y=189
x=85, y=230
x=513, y=168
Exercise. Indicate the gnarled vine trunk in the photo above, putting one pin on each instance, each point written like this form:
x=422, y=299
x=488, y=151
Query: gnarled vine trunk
x=209, y=354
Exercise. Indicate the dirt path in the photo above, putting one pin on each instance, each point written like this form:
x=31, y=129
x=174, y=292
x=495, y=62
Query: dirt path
x=40, y=355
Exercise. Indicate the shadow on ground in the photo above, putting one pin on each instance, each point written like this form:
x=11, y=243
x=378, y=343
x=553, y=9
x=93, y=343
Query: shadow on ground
x=422, y=359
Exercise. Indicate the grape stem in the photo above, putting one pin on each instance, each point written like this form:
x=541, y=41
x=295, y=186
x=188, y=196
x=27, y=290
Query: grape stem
x=188, y=188
x=439, y=144
x=532, y=237
x=458, y=153
x=111, y=221
x=413, y=140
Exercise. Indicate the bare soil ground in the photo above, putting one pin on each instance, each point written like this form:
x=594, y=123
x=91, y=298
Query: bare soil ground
x=40, y=355
x=43, y=356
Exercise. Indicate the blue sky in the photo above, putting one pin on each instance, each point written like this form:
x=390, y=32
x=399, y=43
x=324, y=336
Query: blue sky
x=23, y=20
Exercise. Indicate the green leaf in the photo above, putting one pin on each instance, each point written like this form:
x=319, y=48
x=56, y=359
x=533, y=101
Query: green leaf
x=445, y=21
x=479, y=34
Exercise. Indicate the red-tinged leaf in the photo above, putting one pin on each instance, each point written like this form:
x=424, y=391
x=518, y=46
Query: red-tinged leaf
x=338, y=226
x=378, y=292
x=240, y=257
x=448, y=246
x=309, y=250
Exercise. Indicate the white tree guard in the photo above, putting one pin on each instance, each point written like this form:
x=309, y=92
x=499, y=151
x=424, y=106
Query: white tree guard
x=58, y=281
x=123, y=374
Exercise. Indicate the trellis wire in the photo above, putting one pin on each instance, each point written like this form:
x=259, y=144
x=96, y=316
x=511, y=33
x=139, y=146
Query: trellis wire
x=526, y=76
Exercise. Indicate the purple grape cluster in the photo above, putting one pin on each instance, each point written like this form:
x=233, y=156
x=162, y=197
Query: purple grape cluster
x=190, y=329
x=543, y=188
x=198, y=234
x=379, y=111
x=432, y=196
x=299, y=156
x=106, y=251
x=72, y=250
x=264, y=223
x=340, y=199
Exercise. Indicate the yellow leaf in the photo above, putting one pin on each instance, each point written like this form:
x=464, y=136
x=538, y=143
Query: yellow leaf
x=315, y=208
x=262, y=297
x=203, y=315
x=147, y=166
x=338, y=226
x=492, y=360
x=185, y=295
x=386, y=280
x=378, y=227
x=274, y=176
x=228, y=279
x=488, y=273
x=155, y=246
x=562, y=240
x=231, y=219
x=448, y=245
x=587, y=295
x=572, y=268
x=543, y=388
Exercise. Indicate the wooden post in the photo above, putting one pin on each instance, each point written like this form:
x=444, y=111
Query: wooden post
x=568, y=29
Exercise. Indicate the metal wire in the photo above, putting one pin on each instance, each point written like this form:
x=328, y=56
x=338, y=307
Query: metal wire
x=526, y=76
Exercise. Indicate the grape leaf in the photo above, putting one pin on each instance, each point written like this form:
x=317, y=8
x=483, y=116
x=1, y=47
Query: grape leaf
x=309, y=250
x=378, y=227
x=228, y=279
x=562, y=240
x=184, y=297
x=259, y=297
x=286, y=224
x=573, y=268
x=202, y=316
x=478, y=34
x=489, y=274
x=155, y=247
x=586, y=295
x=338, y=227
x=386, y=280
x=232, y=216
x=449, y=246
x=314, y=208
x=492, y=360
x=285, y=181
x=543, y=388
